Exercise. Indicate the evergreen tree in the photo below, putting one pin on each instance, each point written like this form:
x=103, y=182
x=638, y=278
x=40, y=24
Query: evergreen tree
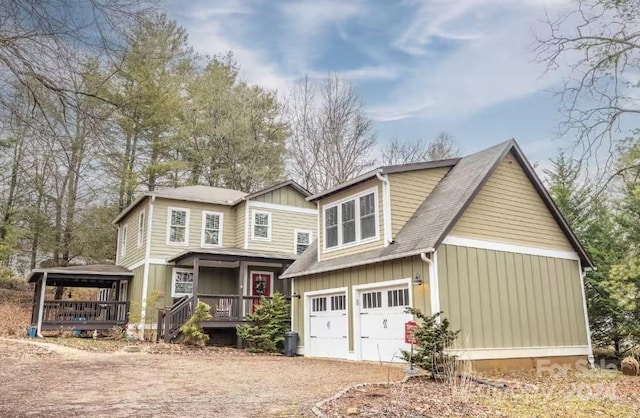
x=266, y=326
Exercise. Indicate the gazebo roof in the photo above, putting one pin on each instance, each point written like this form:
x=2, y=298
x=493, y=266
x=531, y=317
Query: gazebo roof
x=95, y=275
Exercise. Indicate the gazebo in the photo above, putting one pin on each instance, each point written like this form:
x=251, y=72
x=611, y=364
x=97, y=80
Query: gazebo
x=80, y=314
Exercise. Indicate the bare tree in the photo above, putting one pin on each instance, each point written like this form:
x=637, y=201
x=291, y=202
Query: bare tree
x=403, y=152
x=331, y=139
x=600, y=42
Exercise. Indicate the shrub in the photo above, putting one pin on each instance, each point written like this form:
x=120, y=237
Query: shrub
x=191, y=331
x=266, y=326
x=630, y=366
x=10, y=281
x=434, y=337
x=117, y=333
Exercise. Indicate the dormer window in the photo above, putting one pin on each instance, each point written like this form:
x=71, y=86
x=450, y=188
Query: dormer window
x=351, y=221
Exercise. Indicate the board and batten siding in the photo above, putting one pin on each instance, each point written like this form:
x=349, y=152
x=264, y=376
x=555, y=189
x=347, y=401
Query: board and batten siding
x=371, y=273
x=283, y=224
x=287, y=196
x=159, y=246
x=134, y=293
x=134, y=252
x=326, y=255
x=408, y=191
x=510, y=300
x=239, y=210
x=509, y=209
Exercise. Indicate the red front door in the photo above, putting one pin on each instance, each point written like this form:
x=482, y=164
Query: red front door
x=260, y=285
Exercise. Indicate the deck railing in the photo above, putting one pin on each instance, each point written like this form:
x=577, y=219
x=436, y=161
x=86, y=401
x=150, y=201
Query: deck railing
x=230, y=307
x=79, y=312
x=170, y=319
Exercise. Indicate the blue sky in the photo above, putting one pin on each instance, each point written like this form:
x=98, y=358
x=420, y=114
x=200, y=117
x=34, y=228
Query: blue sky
x=461, y=66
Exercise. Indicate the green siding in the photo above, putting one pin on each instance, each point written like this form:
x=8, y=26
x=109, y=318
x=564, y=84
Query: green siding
x=218, y=281
x=371, y=273
x=134, y=291
x=503, y=300
x=287, y=196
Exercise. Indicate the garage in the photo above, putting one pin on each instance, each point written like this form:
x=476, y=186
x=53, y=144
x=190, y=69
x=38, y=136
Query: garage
x=381, y=317
x=328, y=328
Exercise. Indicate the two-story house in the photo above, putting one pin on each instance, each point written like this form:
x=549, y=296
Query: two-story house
x=225, y=247
x=478, y=238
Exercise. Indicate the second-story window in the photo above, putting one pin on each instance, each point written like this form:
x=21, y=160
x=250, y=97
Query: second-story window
x=261, y=226
x=350, y=221
x=142, y=228
x=302, y=241
x=123, y=242
x=178, y=228
x=211, y=229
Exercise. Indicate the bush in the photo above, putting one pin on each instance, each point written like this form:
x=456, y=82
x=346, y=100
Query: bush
x=10, y=281
x=191, y=331
x=266, y=326
x=117, y=333
x=434, y=337
x=630, y=366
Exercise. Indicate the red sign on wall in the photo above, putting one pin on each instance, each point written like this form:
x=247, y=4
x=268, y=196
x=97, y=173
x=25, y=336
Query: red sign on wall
x=409, y=328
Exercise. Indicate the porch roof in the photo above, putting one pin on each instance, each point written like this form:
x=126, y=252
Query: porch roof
x=232, y=254
x=96, y=275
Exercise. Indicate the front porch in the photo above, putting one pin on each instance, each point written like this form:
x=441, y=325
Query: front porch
x=81, y=315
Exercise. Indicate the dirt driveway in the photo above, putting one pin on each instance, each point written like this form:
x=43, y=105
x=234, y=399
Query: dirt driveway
x=77, y=383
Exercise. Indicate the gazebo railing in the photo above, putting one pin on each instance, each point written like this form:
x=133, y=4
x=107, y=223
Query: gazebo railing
x=70, y=312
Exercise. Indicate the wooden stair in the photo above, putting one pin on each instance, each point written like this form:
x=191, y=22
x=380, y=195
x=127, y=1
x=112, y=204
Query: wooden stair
x=171, y=318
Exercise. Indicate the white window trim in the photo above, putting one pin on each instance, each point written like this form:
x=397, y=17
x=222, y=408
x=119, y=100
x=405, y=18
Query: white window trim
x=123, y=241
x=173, y=281
x=253, y=225
x=357, y=242
x=141, y=232
x=186, y=231
x=204, y=224
x=295, y=238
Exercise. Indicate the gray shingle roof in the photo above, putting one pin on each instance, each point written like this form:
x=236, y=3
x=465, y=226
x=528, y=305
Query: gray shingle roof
x=435, y=217
x=97, y=270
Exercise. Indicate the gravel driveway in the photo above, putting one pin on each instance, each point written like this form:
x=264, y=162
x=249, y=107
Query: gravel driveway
x=34, y=382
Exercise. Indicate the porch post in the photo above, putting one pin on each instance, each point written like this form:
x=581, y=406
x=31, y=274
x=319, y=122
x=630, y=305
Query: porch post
x=41, y=303
x=241, y=269
x=196, y=273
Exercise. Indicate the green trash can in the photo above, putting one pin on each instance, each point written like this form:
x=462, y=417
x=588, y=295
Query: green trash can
x=291, y=344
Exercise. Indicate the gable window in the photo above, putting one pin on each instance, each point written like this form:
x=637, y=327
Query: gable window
x=351, y=221
x=178, y=226
x=211, y=229
x=123, y=241
x=181, y=282
x=142, y=228
x=261, y=226
x=302, y=241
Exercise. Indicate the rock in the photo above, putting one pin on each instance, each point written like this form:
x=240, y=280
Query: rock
x=352, y=411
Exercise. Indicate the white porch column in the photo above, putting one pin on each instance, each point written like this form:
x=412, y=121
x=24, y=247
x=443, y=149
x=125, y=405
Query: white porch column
x=41, y=303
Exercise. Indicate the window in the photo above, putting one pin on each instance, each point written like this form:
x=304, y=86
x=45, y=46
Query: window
x=211, y=229
x=351, y=221
x=123, y=241
x=302, y=241
x=142, y=228
x=372, y=300
x=182, y=282
x=261, y=226
x=338, y=303
x=319, y=304
x=398, y=297
x=178, y=226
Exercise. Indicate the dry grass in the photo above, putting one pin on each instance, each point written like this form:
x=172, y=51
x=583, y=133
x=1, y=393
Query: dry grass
x=15, y=312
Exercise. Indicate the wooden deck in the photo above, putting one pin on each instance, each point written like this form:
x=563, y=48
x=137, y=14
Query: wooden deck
x=84, y=315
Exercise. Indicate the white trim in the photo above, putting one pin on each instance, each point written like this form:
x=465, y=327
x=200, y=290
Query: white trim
x=145, y=273
x=356, y=290
x=185, y=243
x=124, y=238
x=386, y=208
x=246, y=225
x=137, y=264
x=293, y=304
x=434, y=284
x=295, y=238
x=318, y=244
x=173, y=281
x=271, y=280
x=118, y=245
x=140, y=232
x=43, y=293
x=356, y=198
x=510, y=248
x=586, y=314
x=243, y=286
x=285, y=208
x=220, y=216
x=253, y=225
x=263, y=264
x=307, y=317
x=519, y=352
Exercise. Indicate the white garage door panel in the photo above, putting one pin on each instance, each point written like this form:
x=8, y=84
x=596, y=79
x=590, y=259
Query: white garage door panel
x=328, y=327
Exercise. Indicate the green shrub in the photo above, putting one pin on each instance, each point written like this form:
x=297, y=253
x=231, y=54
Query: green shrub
x=434, y=337
x=191, y=331
x=10, y=281
x=266, y=326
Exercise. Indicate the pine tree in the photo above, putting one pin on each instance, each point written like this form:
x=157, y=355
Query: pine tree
x=266, y=326
x=191, y=331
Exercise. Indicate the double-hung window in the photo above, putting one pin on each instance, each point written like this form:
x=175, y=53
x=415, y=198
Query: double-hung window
x=211, y=229
x=123, y=241
x=142, y=228
x=178, y=226
x=302, y=241
x=182, y=282
x=351, y=221
x=261, y=226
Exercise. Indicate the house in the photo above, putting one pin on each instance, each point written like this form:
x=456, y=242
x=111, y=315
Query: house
x=478, y=238
x=230, y=246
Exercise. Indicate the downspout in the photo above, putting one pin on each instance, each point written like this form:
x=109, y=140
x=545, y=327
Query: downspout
x=320, y=244
x=386, y=208
x=41, y=304
x=434, y=290
x=145, y=274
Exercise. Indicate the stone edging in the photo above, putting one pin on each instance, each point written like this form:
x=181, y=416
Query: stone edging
x=316, y=408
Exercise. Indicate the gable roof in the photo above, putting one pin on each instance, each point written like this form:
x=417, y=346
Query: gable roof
x=438, y=213
x=208, y=194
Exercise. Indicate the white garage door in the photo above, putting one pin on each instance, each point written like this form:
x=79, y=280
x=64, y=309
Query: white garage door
x=382, y=319
x=328, y=327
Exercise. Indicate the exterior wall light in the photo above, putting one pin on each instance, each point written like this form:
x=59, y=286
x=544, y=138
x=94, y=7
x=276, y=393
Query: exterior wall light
x=417, y=279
